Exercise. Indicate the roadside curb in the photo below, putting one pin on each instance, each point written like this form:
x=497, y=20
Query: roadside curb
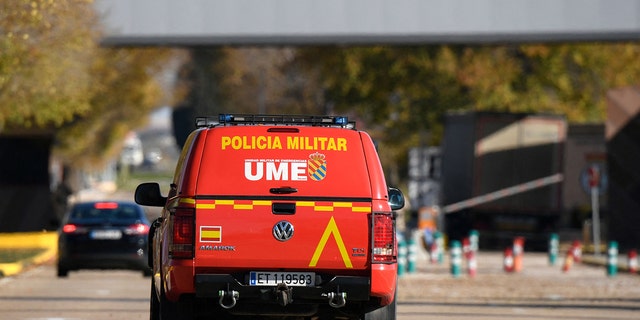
x=47, y=240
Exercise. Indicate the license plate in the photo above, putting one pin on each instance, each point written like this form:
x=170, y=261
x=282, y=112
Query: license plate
x=106, y=234
x=295, y=279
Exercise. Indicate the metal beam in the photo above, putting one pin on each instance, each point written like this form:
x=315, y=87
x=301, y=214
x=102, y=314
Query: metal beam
x=314, y=22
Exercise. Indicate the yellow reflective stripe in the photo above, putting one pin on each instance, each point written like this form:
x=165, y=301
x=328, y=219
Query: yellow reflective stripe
x=310, y=204
x=261, y=203
x=205, y=206
x=343, y=204
x=187, y=200
x=305, y=204
x=332, y=228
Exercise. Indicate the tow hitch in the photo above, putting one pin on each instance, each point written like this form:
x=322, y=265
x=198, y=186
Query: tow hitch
x=283, y=294
x=230, y=295
x=336, y=299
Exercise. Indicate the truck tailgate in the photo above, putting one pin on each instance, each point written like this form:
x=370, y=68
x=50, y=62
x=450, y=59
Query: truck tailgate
x=279, y=235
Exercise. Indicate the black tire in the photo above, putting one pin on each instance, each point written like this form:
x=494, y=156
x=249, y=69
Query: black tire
x=154, y=304
x=147, y=273
x=62, y=272
x=385, y=313
x=168, y=310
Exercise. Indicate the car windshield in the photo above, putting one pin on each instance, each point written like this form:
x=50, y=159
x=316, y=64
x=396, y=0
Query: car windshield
x=105, y=211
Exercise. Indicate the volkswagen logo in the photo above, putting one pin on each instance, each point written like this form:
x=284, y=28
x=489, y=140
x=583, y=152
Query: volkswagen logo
x=283, y=231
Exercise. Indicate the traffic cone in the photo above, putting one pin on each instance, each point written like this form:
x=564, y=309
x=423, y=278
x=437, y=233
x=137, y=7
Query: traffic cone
x=518, y=252
x=507, y=262
x=633, y=261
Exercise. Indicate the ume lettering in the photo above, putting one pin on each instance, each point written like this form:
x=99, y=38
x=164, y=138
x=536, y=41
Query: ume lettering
x=280, y=171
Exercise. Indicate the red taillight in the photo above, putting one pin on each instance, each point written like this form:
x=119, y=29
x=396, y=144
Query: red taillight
x=69, y=228
x=73, y=228
x=183, y=233
x=384, y=238
x=137, y=229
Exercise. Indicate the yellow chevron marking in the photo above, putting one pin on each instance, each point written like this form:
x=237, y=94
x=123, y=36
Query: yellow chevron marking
x=332, y=228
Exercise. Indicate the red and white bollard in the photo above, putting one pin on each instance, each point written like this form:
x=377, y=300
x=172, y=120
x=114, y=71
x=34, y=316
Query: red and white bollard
x=633, y=261
x=470, y=256
x=434, y=252
x=466, y=246
x=518, y=252
x=568, y=261
x=508, y=260
x=472, y=263
x=576, y=250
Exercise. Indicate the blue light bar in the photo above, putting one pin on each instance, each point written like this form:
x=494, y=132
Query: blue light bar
x=342, y=121
x=225, y=118
x=253, y=119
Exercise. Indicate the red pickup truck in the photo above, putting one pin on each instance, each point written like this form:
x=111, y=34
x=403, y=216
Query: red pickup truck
x=274, y=216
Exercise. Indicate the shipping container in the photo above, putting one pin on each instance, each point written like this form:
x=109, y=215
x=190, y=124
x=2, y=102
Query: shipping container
x=501, y=174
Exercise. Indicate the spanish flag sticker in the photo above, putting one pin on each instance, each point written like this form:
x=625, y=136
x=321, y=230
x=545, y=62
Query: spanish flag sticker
x=210, y=234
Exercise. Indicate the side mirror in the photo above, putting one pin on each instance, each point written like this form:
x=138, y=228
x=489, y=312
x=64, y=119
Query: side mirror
x=396, y=199
x=148, y=194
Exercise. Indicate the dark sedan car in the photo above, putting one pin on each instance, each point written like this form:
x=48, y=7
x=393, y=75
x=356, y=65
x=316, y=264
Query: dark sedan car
x=103, y=235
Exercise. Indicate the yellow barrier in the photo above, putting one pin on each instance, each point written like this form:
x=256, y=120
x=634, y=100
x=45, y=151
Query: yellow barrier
x=47, y=240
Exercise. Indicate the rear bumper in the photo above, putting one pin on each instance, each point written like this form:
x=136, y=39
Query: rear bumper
x=384, y=282
x=209, y=286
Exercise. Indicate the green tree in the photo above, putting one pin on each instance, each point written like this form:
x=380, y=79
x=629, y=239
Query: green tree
x=46, y=48
x=55, y=78
x=125, y=89
x=403, y=92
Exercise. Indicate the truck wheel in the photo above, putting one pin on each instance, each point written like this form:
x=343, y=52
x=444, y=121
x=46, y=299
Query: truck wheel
x=154, y=304
x=168, y=309
x=181, y=310
x=385, y=313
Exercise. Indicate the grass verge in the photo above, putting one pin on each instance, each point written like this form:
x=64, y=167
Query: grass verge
x=8, y=255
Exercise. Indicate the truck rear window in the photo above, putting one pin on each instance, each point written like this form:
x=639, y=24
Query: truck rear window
x=299, y=161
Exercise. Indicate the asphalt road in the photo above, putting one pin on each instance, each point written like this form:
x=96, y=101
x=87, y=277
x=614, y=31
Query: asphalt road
x=94, y=295
x=540, y=291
